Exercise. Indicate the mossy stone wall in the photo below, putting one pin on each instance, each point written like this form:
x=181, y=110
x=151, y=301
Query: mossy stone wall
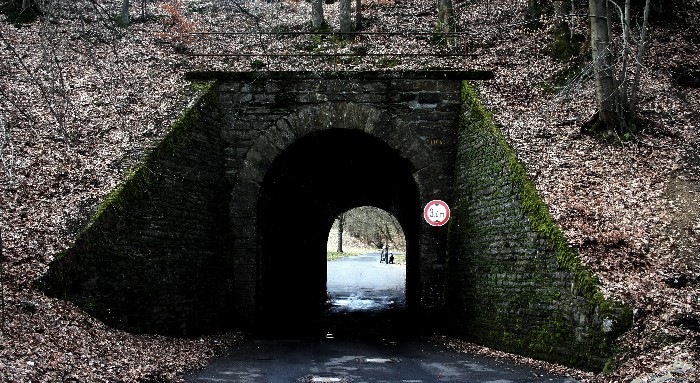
x=513, y=282
x=150, y=259
x=176, y=248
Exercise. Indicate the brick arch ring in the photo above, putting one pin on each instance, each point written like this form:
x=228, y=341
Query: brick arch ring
x=278, y=137
x=341, y=115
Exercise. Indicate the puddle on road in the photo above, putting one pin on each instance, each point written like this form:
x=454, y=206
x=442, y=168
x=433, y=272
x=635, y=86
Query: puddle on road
x=323, y=379
x=360, y=302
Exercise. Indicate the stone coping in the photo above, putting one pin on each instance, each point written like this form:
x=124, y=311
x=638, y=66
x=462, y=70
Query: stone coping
x=350, y=75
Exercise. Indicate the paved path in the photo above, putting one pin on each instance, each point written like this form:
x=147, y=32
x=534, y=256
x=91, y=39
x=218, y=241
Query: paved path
x=333, y=360
x=361, y=283
x=365, y=336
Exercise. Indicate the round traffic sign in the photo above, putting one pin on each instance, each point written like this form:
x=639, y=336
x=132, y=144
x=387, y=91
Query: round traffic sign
x=436, y=213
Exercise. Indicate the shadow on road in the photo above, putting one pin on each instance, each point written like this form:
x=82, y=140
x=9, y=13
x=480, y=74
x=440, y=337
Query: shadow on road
x=364, y=333
x=366, y=301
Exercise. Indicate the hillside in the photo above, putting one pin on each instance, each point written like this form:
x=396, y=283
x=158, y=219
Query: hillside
x=82, y=98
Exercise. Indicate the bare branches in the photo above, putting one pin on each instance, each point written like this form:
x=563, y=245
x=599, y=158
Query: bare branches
x=640, y=56
x=616, y=93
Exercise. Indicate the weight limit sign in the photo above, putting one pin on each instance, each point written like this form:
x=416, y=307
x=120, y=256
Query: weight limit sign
x=436, y=213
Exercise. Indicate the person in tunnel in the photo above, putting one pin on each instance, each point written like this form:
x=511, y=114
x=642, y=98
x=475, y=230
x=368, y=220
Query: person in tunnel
x=384, y=256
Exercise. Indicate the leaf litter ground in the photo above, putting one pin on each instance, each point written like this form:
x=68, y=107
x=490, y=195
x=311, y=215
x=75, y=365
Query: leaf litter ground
x=83, y=99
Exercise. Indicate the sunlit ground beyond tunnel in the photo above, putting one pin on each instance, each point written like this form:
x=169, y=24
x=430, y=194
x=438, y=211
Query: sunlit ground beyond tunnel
x=361, y=283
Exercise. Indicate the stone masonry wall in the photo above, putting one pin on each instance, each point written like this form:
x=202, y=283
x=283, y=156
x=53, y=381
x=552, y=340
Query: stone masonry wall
x=513, y=282
x=263, y=113
x=150, y=259
x=176, y=248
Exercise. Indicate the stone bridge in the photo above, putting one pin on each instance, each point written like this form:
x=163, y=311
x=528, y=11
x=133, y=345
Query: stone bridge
x=224, y=224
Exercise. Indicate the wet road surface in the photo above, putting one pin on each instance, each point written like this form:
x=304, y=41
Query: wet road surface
x=366, y=335
x=361, y=283
x=337, y=360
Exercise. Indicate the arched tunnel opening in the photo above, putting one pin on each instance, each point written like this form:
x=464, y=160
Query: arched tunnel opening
x=312, y=181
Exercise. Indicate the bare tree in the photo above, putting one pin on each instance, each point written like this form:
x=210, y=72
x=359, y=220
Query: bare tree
x=601, y=44
x=374, y=227
x=616, y=92
x=124, y=14
x=344, y=7
x=317, y=20
x=27, y=4
x=446, y=17
x=341, y=222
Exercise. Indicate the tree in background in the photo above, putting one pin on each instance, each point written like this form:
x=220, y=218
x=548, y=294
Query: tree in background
x=446, y=17
x=344, y=8
x=341, y=223
x=617, y=70
x=124, y=14
x=27, y=4
x=317, y=20
x=374, y=227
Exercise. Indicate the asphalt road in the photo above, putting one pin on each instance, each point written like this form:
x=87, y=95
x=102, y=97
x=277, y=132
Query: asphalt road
x=361, y=283
x=365, y=336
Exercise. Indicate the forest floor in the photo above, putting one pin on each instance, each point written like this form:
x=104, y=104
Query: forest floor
x=82, y=99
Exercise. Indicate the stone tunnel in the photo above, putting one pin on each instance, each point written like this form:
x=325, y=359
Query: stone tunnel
x=224, y=224
x=318, y=177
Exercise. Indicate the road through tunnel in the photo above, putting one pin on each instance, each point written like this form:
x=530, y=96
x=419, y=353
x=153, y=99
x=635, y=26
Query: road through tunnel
x=307, y=186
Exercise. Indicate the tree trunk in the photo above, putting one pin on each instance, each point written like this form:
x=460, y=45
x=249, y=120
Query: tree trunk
x=446, y=17
x=341, y=222
x=606, y=92
x=358, y=15
x=317, y=20
x=640, y=55
x=30, y=4
x=561, y=22
x=345, y=16
x=124, y=15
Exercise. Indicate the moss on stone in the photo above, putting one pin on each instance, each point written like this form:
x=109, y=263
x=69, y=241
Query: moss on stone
x=133, y=188
x=138, y=180
x=557, y=331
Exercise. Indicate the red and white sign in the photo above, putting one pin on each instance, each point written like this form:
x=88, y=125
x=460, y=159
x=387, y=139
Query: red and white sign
x=436, y=213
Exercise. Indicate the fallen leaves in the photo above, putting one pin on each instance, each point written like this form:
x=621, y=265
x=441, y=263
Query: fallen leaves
x=82, y=100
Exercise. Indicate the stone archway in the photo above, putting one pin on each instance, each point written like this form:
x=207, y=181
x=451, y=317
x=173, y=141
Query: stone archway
x=317, y=177
x=333, y=126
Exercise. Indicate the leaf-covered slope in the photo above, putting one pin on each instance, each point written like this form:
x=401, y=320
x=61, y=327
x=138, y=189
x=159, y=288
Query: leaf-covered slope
x=82, y=99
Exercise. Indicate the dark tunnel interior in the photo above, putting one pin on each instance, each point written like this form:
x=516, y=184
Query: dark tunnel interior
x=312, y=181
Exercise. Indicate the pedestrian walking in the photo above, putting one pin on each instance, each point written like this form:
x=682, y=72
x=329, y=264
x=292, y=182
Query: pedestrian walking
x=384, y=256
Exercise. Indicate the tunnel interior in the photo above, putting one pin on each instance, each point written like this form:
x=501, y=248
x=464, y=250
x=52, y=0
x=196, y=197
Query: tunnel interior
x=312, y=181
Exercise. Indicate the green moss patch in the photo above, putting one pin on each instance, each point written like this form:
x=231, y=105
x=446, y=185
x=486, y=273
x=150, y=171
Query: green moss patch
x=507, y=256
x=62, y=273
